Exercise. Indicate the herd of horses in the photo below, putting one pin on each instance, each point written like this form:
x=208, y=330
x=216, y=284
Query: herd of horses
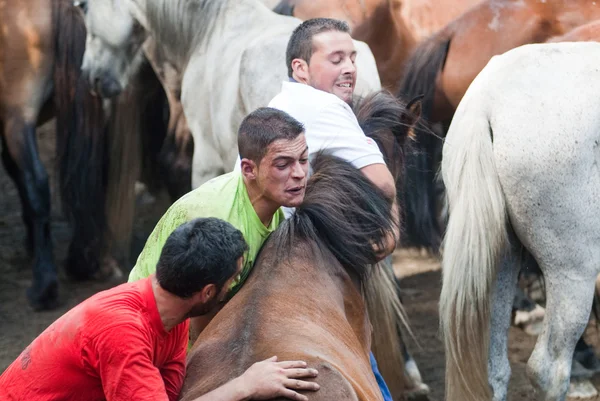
x=162, y=85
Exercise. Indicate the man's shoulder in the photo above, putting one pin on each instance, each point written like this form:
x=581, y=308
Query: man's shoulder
x=210, y=197
x=297, y=98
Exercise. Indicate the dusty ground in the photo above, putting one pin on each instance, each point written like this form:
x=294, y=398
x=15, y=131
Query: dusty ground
x=19, y=325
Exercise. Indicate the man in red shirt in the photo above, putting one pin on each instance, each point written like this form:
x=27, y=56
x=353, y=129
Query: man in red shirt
x=129, y=342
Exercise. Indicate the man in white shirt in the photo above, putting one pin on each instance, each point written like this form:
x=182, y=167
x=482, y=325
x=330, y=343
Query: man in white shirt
x=321, y=66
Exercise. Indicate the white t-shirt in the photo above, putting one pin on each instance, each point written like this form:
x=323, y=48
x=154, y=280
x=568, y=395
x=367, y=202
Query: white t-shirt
x=330, y=125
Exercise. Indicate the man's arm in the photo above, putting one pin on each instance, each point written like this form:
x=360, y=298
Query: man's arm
x=122, y=357
x=336, y=131
x=265, y=380
x=173, y=370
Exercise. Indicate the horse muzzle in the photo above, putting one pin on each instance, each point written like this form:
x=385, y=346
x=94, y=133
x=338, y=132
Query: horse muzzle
x=102, y=85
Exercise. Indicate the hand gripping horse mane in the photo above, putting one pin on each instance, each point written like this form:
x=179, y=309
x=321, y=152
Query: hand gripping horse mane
x=230, y=54
x=521, y=169
x=305, y=297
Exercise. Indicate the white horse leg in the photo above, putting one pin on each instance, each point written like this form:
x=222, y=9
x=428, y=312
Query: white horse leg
x=206, y=163
x=569, y=300
x=504, y=292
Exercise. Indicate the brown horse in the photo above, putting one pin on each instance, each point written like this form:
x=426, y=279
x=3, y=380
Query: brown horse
x=391, y=28
x=41, y=48
x=305, y=297
x=443, y=67
x=585, y=33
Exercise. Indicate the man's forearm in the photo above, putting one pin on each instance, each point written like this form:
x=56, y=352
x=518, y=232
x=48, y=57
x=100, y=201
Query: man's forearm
x=231, y=391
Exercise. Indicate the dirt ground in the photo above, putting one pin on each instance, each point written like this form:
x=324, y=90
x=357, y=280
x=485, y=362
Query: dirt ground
x=19, y=324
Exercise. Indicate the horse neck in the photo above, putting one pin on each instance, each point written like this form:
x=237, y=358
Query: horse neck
x=180, y=27
x=318, y=273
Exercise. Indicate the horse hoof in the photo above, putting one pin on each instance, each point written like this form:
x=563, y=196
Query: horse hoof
x=581, y=389
x=418, y=393
x=44, y=296
x=587, y=358
x=579, y=372
x=109, y=270
x=530, y=322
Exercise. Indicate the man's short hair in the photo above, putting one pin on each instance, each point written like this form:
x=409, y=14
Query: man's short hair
x=301, y=42
x=261, y=128
x=200, y=252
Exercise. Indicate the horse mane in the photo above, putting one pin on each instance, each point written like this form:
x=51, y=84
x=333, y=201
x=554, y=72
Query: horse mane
x=342, y=213
x=389, y=122
x=178, y=23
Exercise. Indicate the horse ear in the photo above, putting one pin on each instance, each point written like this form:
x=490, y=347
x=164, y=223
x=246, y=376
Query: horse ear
x=412, y=115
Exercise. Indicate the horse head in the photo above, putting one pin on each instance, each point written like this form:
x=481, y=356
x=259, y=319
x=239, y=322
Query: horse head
x=113, y=44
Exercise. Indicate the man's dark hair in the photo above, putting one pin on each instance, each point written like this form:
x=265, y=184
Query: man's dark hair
x=301, y=42
x=261, y=128
x=200, y=252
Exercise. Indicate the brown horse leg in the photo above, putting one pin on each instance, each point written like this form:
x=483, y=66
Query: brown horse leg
x=22, y=162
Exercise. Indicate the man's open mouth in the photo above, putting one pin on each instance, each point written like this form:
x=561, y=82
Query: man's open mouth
x=296, y=190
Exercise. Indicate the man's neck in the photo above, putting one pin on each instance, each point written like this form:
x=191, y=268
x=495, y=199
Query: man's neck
x=172, y=309
x=265, y=208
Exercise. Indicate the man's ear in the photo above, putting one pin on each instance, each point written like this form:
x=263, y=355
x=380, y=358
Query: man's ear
x=249, y=169
x=300, y=70
x=208, y=293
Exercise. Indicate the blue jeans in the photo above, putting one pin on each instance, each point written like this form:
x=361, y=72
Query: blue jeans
x=385, y=392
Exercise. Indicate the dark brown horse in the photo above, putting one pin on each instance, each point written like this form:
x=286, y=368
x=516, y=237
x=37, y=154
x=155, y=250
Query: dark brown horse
x=41, y=48
x=443, y=67
x=305, y=297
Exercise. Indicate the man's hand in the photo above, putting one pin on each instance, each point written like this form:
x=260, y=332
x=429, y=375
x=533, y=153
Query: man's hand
x=269, y=379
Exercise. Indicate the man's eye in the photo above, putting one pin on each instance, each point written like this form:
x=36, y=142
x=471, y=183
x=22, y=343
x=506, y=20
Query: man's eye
x=303, y=161
x=336, y=61
x=281, y=166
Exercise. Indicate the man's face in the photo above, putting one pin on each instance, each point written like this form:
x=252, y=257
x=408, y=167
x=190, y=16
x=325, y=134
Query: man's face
x=208, y=304
x=281, y=174
x=331, y=67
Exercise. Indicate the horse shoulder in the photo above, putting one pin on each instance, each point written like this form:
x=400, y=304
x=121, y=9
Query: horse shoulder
x=262, y=70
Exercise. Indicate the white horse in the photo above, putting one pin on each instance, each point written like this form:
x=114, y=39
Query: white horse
x=521, y=167
x=231, y=54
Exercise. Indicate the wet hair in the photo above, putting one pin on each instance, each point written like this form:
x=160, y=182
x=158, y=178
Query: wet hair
x=261, y=128
x=301, y=42
x=200, y=252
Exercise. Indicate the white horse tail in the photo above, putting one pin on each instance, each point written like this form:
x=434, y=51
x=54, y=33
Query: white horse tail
x=475, y=239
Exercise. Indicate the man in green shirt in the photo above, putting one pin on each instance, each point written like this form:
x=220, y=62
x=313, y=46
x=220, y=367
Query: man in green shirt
x=274, y=166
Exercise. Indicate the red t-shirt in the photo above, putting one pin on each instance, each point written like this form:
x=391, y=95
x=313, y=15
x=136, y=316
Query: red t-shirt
x=112, y=346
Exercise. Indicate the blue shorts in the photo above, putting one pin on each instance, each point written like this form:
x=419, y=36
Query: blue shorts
x=385, y=392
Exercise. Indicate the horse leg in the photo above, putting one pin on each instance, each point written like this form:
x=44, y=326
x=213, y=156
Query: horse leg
x=504, y=294
x=569, y=300
x=206, y=162
x=22, y=162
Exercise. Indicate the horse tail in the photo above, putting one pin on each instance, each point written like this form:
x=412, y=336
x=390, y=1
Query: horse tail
x=476, y=237
x=285, y=7
x=81, y=144
x=419, y=79
x=387, y=316
x=137, y=129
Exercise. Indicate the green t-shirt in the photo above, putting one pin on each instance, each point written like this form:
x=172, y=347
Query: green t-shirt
x=223, y=197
